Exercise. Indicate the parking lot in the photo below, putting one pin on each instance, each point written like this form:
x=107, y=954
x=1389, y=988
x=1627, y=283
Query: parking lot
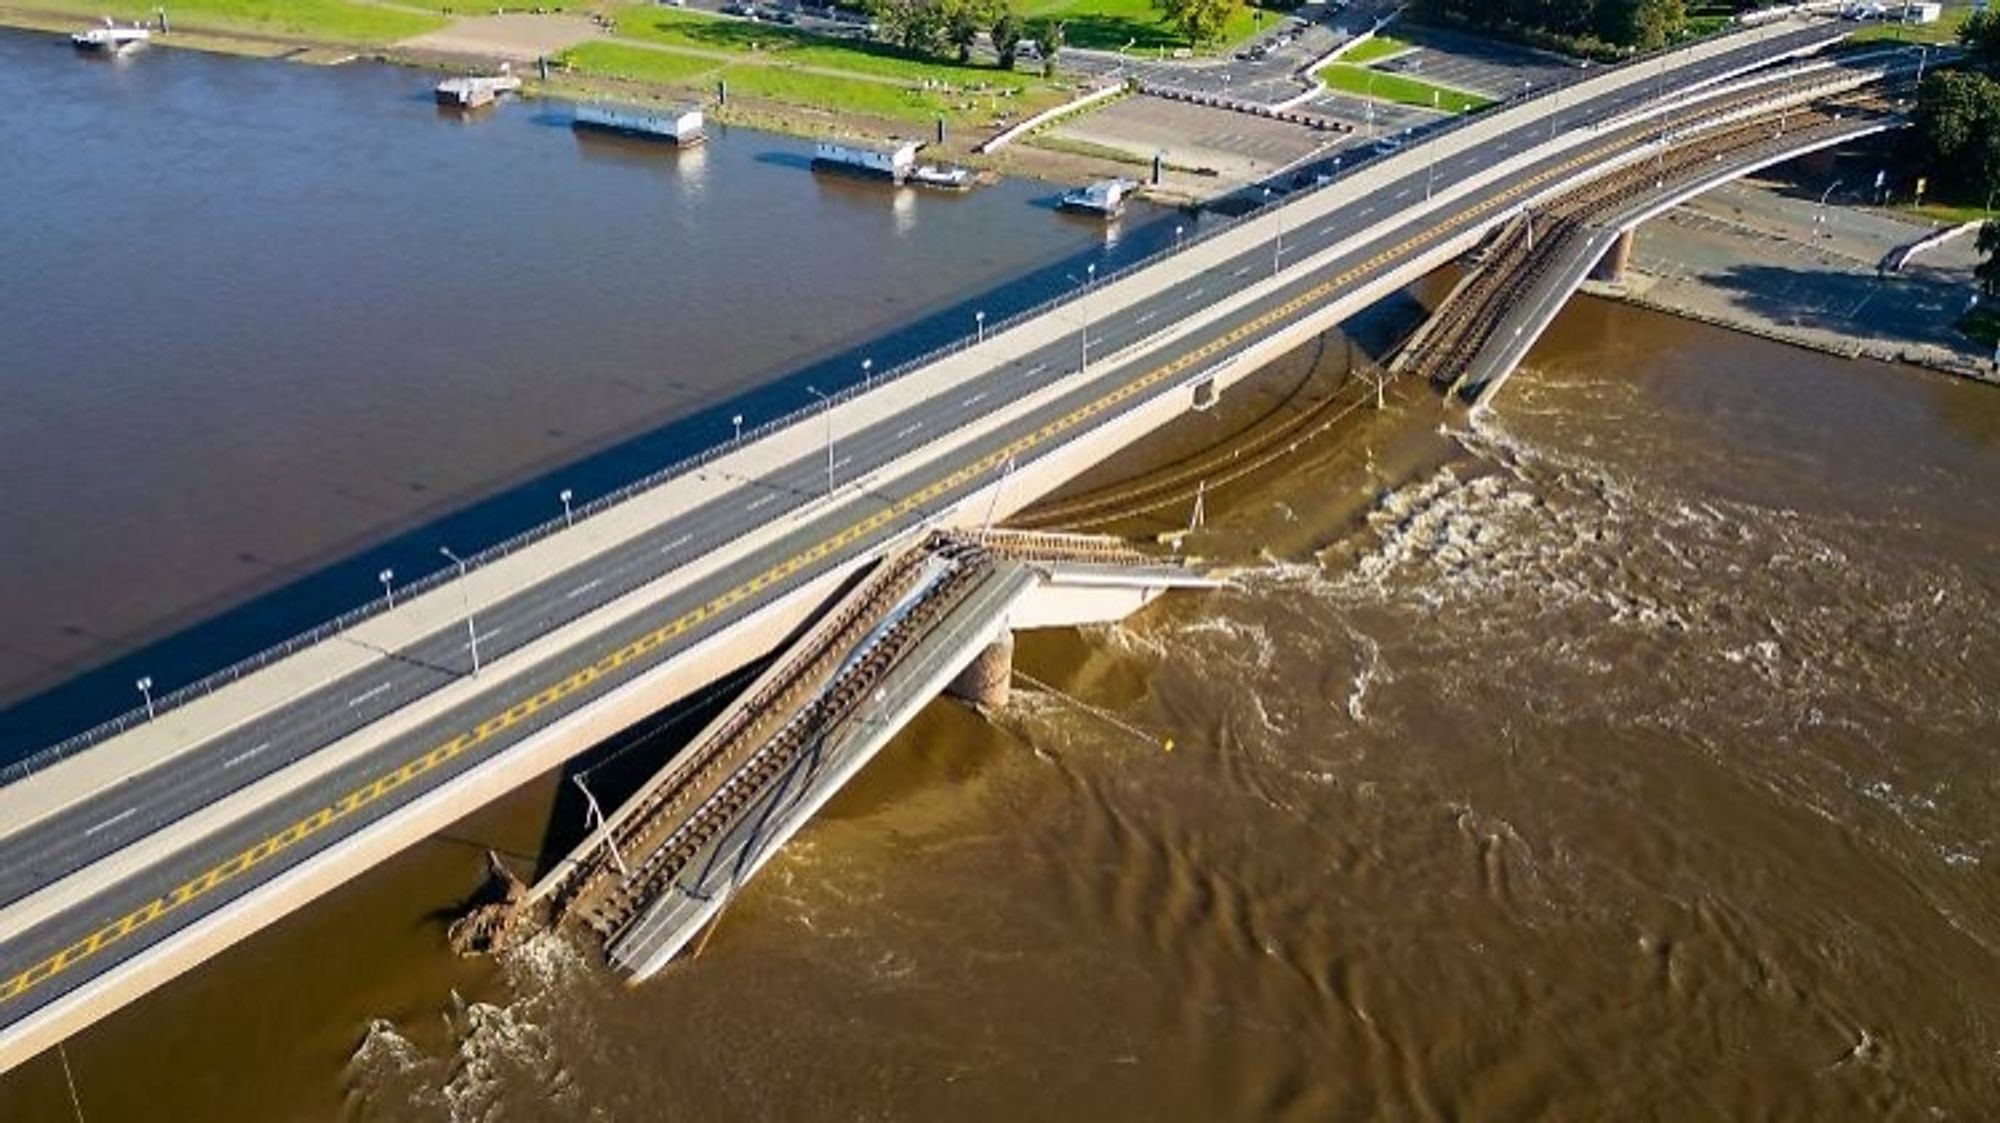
x=1238, y=147
x=1479, y=66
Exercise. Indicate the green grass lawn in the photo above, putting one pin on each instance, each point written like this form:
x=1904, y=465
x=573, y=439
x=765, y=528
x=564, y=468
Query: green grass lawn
x=640, y=64
x=679, y=28
x=1950, y=214
x=1110, y=25
x=336, y=20
x=1945, y=30
x=801, y=69
x=1374, y=50
x=1384, y=86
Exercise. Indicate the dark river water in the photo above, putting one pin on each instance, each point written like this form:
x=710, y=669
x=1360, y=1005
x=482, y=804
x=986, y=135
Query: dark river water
x=269, y=330
x=1629, y=753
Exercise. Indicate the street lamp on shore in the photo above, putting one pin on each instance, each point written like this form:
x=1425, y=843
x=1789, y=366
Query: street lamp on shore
x=827, y=403
x=867, y=372
x=387, y=577
x=1820, y=218
x=465, y=594
x=145, y=686
x=979, y=327
x=736, y=419
x=569, y=516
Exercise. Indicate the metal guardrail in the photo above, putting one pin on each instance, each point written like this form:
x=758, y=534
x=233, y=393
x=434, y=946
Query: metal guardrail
x=208, y=684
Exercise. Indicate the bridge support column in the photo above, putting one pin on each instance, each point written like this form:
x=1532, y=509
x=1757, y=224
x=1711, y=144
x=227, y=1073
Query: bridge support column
x=985, y=681
x=1611, y=269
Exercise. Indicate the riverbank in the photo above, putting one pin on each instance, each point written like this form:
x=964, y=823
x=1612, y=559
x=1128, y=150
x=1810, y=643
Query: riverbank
x=1765, y=257
x=781, y=80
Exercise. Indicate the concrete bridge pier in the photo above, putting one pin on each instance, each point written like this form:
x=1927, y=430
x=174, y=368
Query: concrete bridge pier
x=1610, y=268
x=984, y=682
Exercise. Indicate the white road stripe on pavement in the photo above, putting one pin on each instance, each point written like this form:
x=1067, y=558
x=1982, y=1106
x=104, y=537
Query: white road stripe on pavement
x=675, y=544
x=125, y=814
x=358, y=699
x=766, y=498
x=246, y=754
x=583, y=588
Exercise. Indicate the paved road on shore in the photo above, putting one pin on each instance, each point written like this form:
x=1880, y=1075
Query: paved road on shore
x=54, y=957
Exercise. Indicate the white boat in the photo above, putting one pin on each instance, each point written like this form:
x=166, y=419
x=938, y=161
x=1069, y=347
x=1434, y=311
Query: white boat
x=943, y=176
x=1105, y=197
x=111, y=39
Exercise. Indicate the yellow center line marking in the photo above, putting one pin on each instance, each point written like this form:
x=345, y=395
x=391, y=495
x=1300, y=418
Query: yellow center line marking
x=348, y=805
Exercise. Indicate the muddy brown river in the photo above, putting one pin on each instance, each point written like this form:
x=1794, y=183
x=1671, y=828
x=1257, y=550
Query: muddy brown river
x=1629, y=753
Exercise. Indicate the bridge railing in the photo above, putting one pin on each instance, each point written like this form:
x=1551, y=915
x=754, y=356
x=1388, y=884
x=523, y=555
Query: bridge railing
x=214, y=681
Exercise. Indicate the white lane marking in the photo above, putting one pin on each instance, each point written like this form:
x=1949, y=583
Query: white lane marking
x=583, y=588
x=358, y=699
x=842, y=462
x=1146, y=319
x=1038, y=368
x=676, y=544
x=125, y=814
x=1240, y=272
x=1196, y=293
x=1325, y=230
x=975, y=399
x=483, y=636
x=246, y=754
x=1405, y=192
x=908, y=429
x=1364, y=212
x=766, y=498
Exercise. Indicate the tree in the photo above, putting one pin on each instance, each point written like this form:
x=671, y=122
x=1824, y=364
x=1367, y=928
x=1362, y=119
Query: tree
x=1988, y=271
x=1958, y=125
x=1200, y=22
x=1980, y=35
x=1050, y=34
x=1006, y=36
x=918, y=26
x=963, y=20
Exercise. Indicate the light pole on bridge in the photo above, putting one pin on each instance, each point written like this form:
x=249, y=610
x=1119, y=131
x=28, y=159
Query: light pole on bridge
x=387, y=577
x=465, y=595
x=826, y=404
x=569, y=516
x=1278, y=245
x=736, y=419
x=145, y=686
x=979, y=327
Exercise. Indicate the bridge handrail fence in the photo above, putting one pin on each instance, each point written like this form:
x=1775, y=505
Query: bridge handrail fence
x=215, y=680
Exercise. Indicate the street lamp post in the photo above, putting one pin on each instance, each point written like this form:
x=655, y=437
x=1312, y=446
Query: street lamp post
x=979, y=327
x=827, y=404
x=1083, y=306
x=465, y=594
x=569, y=516
x=736, y=419
x=1178, y=231
x=387, y=577
x=1278, y=245
x=1820, y=218
x=145, y=686
x=867, y=372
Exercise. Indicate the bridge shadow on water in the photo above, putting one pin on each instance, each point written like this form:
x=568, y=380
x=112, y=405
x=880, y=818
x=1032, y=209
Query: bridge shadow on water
x=237, y=633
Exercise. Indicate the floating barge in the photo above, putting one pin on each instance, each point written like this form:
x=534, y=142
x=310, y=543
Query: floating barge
x=476, y=90
x=111, y=39
x=1105, y=198
x=682, y=127
x=897, y=165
